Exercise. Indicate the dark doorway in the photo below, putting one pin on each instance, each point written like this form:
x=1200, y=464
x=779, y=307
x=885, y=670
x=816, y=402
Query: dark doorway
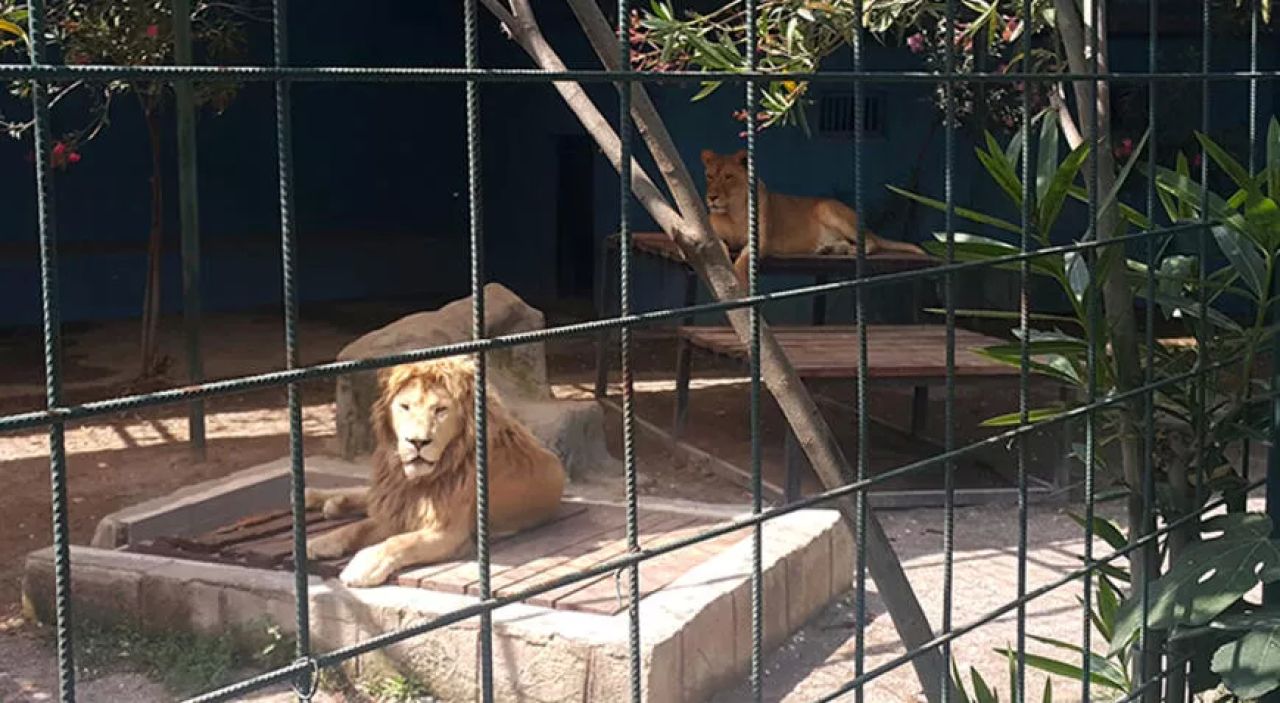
x=575, y=241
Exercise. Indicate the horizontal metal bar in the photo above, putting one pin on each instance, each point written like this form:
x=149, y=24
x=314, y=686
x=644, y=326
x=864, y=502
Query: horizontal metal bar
x=1047, y=588
x=182, y=394
x=424, y=74
x=389, y=638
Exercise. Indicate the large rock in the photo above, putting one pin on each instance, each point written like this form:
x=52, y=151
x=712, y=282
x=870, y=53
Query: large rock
x=574, y=430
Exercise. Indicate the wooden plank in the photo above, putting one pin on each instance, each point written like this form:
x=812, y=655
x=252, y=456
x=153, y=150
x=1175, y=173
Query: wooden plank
x=894, y=351
x=601, y=595
x=583, y=554
x=501, y=548
x=596, y=520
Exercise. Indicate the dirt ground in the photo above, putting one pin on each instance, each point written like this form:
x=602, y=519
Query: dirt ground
x=120, y=460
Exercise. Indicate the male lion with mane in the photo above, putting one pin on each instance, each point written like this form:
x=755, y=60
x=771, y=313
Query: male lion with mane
x=421, y=500
x=789, y=224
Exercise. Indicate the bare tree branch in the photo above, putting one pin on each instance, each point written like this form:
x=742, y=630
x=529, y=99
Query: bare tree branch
x=690, y=230
x=1066, y=121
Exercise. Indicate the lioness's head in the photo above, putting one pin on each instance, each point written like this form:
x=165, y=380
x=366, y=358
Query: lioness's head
x=425, y=413
x=726, y=181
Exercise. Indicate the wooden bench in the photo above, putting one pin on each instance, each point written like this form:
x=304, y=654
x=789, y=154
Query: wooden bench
x=913, y=355
x=821, y=267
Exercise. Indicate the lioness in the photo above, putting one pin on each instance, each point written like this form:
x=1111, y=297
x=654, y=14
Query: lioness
x=789, y=224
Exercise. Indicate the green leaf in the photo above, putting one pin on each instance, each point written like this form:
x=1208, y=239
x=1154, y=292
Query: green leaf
x=1273, y=158
x=1014, y=419
x=1135, y=218
x=708, y=88
x=1048, y=156
x=981, y=691
x=967, y=214
x=1244, y=256
x=1005, y=315
x=1227, y=163
x=1124, y=173
x=1077, y=274
x=1192, y=308
x=955, y=675
x=1048, y=691
x=1058, y=188
x=1250, y=666
x=7, y=27
x=1052, y=365
x=1108, y=605
x=1105, y=529
x=1102, y=672
x=1208, y=578
x=1013, y=150
x=973, y=247
x=1000, y=170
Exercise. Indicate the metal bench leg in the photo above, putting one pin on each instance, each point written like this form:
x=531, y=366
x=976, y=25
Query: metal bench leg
x=919, y=409
x=796, y=464
x=602, y=337
x=819, y=304
x=684, y=359
x=1066, y=432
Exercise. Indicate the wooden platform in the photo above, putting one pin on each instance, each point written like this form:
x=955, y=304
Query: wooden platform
x=581, y=535
x=660, y=245
x=916, y=353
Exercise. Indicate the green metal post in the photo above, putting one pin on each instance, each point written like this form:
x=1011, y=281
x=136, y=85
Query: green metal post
x=189, y=216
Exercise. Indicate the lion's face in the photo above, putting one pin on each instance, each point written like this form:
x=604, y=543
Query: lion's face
x=425, y=419
x=726, y=181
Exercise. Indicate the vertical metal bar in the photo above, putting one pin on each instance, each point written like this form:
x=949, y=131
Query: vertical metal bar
x=860, y=314
x=949, y=395
x=476, y=218
x=1241, y=503
x=753, y=287
x=628, y=379
x=189, y=218
x=1093, y=42
x=1202, y=352
x=51, y=318
x=284, y=165
x=1148, y=651
x=1024, y=325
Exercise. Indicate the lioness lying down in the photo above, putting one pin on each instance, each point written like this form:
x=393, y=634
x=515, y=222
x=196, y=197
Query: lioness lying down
x=789, y=224
x=421, y=501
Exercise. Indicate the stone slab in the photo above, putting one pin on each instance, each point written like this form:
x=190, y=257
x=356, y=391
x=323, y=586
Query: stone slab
x=694, y=640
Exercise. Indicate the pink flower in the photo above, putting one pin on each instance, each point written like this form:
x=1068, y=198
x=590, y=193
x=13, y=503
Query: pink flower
x=1011, y=29
x=915, y=43
x=73, y=157
x=59, y=149
x=153, y=31
x=1125, y=149
x=1195, y=161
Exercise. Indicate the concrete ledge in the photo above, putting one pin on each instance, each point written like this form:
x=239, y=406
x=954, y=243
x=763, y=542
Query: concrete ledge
x=695, y=632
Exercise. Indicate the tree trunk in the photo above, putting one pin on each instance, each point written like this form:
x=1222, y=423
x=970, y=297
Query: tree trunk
x=1117, y=298
x=155, y=248
x=690, y=230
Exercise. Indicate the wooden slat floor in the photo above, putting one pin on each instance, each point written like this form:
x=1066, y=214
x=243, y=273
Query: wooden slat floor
x=893, y=351
x=580, y=536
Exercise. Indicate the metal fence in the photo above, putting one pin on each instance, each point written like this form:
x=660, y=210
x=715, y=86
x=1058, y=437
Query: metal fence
x=302, y=673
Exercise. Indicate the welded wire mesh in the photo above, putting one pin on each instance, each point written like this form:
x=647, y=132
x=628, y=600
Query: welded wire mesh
x=1152, y=672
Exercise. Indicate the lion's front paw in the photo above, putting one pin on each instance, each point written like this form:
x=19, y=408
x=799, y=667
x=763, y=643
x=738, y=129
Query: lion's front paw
x=326, y=546
x=371, y=566
x=336, y=507
x=314, y=498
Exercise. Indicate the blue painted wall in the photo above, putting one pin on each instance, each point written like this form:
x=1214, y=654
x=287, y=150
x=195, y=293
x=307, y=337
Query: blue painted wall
x=380, y=176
